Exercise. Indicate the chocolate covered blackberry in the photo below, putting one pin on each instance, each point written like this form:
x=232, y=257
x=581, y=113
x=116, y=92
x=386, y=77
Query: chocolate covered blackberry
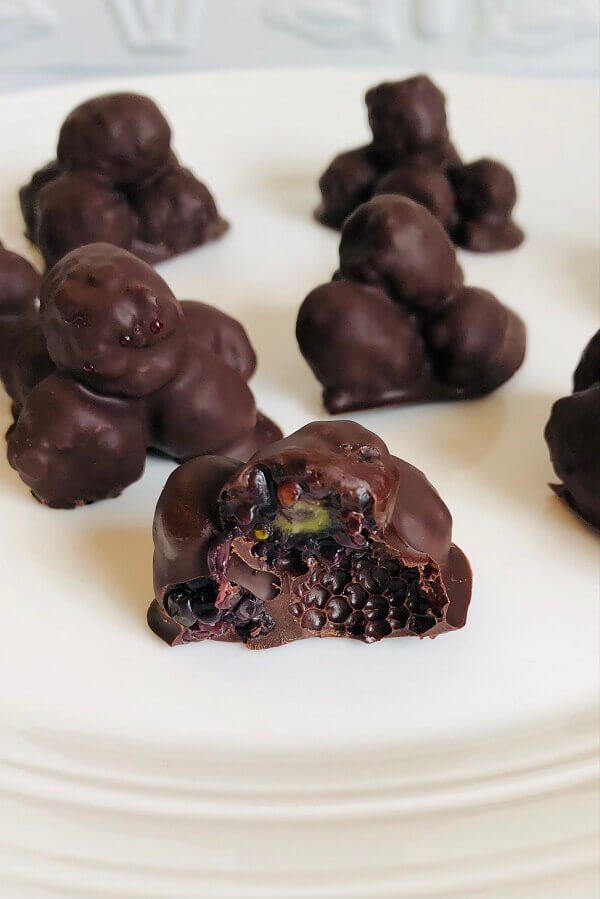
x=408, y=119
x=411, y=154
x=28, y=194
x=573, y=438
x=174, y=211
x=322, y=534
x=19, y=284
x=122, y=136
x=399, y=246
x=424, y=184
x=486, y=194
x=19, y=287
x=347, y=182
x=587, y=372
x=113, y=365
x=77, y=208
x=363, y=361
x=475, y=343
x=396, y=325
x=116, y=178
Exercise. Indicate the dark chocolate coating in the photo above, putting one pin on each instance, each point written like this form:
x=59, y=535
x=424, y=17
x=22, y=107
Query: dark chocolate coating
x=475, y=342
x=28, y=194
x=211, y=329
x=123, y=136
x=347, y=182
x=175, y=212
x=486, y=194
x=587, y=372
x=78, y=208
x=205, y=408
x=19, y=287
x=407, y=117
x=426, y=185
x=411, y=154
x=411, y=333
x=573, y=438
x=111, y=340
x=323, y=534
x=377, y=349
x=29, y=364
x=19, y=284
x=111, y=321
x=72, y=446
x=116, y=179
x=398, y=245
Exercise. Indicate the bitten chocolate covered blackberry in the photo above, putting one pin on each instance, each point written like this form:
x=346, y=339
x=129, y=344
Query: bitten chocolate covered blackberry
x=397, y=325
x=116, y=179
x=573, y=437
x=114, y=364
x=411, y=154
x=322, y=534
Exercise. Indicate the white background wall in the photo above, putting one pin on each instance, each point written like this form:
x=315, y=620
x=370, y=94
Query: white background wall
x=44, y=41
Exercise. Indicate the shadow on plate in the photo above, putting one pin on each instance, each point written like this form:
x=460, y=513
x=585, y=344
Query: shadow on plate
x=280, y=363
x=119, y=559
x=295, y=192
x=583, y=266
x=502, y=442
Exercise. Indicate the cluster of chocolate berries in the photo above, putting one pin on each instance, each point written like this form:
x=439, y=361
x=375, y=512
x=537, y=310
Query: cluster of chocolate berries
x=116, y=179
x=411, y=154
x=112, y=364
x=396, y=324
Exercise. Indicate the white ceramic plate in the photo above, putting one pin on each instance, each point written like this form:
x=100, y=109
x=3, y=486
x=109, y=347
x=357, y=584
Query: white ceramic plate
x=327, y=768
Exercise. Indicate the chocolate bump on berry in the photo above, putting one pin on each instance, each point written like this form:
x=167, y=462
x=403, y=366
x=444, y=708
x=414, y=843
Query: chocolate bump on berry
x=396, y=325
x=235, y=542
x=573, y=437
x=117, y=179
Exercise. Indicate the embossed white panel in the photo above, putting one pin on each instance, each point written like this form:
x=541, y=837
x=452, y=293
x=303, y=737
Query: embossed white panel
x=538, y=25
x=435, y=18
x=20, y=19
x=150, y=25
x=49, y=40
x=337, y=21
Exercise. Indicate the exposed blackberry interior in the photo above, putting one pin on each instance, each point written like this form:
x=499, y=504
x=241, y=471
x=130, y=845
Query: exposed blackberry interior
x=322, y=534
